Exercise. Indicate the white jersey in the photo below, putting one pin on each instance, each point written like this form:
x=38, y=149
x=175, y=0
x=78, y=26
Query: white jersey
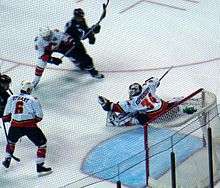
x=147, y=101
x=23, y=108
x=43, y=46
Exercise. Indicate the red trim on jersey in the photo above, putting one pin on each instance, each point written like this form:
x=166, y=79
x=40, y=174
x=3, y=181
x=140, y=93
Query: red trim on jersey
x=154, y=114
x=39, y=71
x=24, y=123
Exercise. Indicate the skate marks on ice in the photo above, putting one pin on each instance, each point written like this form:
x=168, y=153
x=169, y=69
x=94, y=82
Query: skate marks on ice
x=54, y=86
x=158, y=3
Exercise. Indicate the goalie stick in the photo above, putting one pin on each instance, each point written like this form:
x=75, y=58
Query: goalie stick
x=162, y=75
x=92, y=28
x=165, y=73
x=6, y=135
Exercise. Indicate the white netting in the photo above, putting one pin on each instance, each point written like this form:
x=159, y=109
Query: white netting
x=192, y=172
x=177, y=116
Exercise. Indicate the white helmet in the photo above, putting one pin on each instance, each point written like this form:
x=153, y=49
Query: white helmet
x=26, y=86
x=45, y=32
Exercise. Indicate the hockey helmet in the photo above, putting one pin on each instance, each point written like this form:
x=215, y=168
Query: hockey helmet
x=45, y=32
x=27, y=86
x=5, y=81
x=78, y=12
x=134, y=89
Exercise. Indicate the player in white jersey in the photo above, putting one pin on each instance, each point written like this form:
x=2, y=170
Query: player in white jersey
x=24, y=111
x=50, y=41
x=46, y=43
x=143, y=103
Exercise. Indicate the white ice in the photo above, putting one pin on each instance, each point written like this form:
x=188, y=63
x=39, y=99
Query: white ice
x=138, y=39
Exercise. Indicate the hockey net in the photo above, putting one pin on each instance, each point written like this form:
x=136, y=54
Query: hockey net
x=189, y=117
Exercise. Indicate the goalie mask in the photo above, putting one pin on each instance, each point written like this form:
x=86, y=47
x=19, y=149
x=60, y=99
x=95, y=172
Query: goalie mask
x=134, y=90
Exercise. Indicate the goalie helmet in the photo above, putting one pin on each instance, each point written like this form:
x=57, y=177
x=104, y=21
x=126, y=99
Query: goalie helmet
x=79, y=13
x=5, y=81
x=45, y=33
x=134, y=90
x=26, y=86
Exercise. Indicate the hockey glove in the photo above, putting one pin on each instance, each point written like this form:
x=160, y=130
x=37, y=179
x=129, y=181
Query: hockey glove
x=105, y=103
x=96, y=29
x=152, y=80
x=92, y=39
x=55, y=61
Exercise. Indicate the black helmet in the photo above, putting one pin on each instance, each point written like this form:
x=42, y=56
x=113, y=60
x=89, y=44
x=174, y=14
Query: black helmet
x=5, y=79
x=4, y=82
x=78, y=12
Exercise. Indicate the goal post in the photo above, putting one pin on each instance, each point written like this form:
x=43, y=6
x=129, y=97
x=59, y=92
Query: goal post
x=192, y=171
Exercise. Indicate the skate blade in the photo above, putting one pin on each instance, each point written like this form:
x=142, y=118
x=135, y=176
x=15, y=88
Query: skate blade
x=40, y=174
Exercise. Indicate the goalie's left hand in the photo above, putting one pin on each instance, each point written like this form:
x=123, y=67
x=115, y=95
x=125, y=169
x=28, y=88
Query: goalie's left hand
x=105, y=103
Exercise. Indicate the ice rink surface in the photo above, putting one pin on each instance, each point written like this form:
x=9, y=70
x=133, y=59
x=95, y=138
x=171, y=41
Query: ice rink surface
x=138, y=39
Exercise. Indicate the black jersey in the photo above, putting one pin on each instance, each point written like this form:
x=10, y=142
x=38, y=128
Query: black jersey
x=3, y=100
x=77, y=29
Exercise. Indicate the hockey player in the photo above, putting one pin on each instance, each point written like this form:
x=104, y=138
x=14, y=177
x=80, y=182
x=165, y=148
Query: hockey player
x=4, y=95
x=24, y=111
x=77, y=28
x=46, y=43
x=143, y=103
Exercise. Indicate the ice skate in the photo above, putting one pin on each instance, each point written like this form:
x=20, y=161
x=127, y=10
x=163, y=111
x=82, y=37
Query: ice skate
x=42, y=170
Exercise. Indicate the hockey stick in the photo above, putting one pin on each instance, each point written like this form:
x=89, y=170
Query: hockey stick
x=165, y=73
x=100, y=19
x=10, y=91
x=6, y=135
x=162, y=75
x=91, y=29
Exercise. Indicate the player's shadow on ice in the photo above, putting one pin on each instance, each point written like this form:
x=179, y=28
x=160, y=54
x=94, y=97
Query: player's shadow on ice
x=53, y=92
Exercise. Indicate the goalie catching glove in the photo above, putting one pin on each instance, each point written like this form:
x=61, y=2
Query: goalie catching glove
x=105, y=103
